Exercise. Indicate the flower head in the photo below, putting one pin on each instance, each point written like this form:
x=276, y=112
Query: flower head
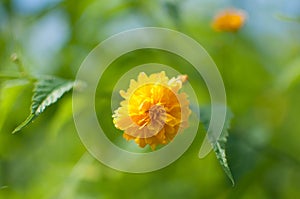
x=153, y=110
x=229, y=20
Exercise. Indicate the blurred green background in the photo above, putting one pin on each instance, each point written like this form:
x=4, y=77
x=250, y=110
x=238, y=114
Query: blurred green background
x=260, y=66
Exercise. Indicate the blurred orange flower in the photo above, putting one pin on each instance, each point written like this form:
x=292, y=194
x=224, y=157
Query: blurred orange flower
x=153, y=110
x=229, y=20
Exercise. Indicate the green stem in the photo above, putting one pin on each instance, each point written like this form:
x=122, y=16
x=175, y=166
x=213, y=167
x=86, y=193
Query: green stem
x=9, y=76
x=18, y=62
x=17, y=76
x=22, y=69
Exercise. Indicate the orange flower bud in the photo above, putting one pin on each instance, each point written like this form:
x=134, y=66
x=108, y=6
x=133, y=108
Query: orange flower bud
x=229, y=20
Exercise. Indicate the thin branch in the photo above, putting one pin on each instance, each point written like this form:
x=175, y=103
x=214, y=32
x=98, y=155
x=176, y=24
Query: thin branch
x=9, y=76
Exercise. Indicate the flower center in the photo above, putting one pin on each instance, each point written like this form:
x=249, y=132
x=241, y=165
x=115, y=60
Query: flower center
x=157, y=113
x=148, y=105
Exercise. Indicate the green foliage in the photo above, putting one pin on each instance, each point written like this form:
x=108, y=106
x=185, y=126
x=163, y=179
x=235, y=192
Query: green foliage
x=221, y=155
x=46, y=92
x=289, y=76
x=10, y=91
x=259, y=65
x=219, y=146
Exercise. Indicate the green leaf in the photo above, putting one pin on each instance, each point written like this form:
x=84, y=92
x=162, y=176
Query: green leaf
x=220, y=145
x=46, y=92
x=29, y=119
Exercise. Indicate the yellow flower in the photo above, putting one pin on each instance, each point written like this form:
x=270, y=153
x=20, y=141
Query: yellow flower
x=229, y=20
x=153, y=110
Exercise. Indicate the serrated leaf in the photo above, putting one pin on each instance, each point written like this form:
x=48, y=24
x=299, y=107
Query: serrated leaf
x=220, y=145
x=47, y=91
